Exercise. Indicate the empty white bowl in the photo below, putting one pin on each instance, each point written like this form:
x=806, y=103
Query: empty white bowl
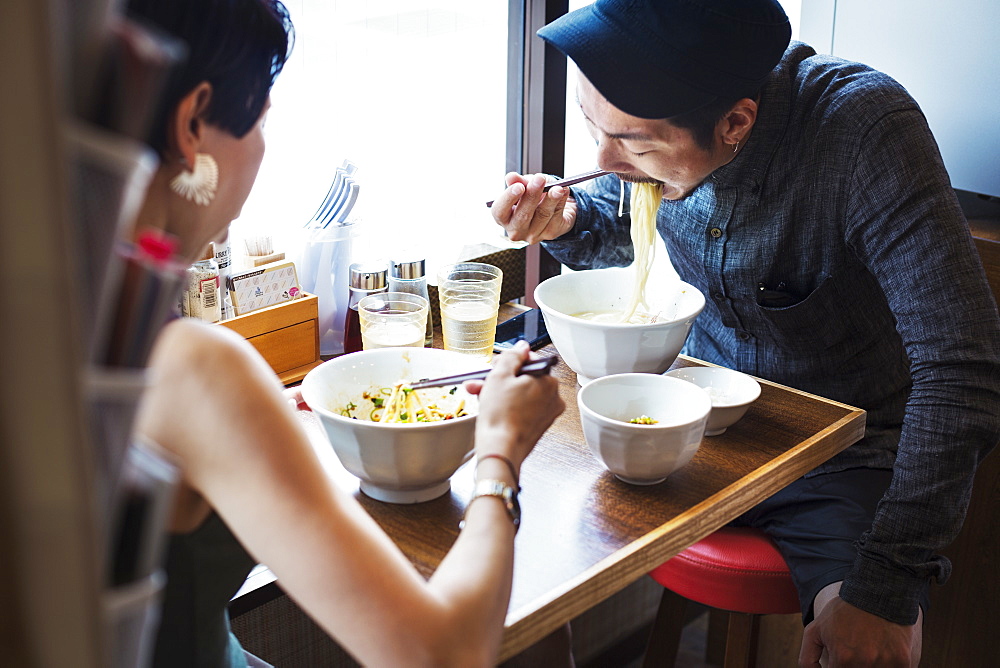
x=594, y=349
x=731, y=393
x=642, y=454
x=396, y=463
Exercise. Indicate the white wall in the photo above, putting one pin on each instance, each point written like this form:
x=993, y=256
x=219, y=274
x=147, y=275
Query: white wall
x=944, y=53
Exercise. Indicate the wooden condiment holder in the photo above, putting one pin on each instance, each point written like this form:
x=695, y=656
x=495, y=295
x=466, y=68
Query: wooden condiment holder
x=286, y=335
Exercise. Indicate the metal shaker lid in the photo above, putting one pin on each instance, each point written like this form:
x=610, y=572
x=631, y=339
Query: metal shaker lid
x=407, y=269
x=368, y=276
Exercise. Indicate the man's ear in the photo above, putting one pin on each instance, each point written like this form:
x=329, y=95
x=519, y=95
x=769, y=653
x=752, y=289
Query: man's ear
x=738, y=121
x=187, y=124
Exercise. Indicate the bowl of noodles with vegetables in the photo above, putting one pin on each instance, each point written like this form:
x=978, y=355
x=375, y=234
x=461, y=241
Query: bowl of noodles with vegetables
x=402, y=444
x=614, y=320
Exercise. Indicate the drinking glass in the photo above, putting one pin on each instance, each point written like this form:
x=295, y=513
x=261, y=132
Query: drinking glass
x=469, y=293
x=393, y=320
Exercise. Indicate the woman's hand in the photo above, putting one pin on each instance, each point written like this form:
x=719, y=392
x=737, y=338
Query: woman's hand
x=528, y=213
x=294, y=397
x=514, y=411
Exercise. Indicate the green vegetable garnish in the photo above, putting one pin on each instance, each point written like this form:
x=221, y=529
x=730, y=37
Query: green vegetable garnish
x=643, y=419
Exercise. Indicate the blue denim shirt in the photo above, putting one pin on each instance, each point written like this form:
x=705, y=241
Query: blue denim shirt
x=835, y=259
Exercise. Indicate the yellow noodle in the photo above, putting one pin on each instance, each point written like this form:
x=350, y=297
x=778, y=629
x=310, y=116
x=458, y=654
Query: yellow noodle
x=403, y=404
x=644, y=204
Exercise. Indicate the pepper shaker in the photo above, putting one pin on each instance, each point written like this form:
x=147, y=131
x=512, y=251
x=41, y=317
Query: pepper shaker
x=408, y=276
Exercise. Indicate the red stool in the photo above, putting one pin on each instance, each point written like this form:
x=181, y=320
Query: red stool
x=735, y=569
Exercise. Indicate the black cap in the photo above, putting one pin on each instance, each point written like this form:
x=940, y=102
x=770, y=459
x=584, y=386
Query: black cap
x=661, y=58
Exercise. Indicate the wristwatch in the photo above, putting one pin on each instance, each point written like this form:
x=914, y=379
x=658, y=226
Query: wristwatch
x=501, y=490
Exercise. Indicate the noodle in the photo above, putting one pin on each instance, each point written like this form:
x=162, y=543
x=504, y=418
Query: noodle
x=644, y=205
x=401, y=403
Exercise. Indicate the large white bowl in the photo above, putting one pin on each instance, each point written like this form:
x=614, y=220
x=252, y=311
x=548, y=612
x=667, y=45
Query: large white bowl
x=731, y=393
x=643, y=454
x=396, y=463
x=595, y=349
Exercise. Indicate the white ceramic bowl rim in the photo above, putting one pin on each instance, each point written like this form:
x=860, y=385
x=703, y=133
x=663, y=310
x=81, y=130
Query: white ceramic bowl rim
x=319, y=409
x=627, y=425
x=746, y=399
x=697, y=306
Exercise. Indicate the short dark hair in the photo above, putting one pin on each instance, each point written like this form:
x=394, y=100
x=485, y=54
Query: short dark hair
x=701, y=121
x=238, y=46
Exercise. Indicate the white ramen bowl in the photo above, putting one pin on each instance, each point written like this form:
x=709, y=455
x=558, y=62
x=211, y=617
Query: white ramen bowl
x=643, y=454
x=731, y=393
x=395, y=462
x=594, y=349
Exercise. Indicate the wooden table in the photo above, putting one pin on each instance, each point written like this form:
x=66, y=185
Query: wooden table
x=585, y=535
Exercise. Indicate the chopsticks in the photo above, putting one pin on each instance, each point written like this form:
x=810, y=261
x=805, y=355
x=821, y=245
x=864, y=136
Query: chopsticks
x=572, y=180
x=538, y=367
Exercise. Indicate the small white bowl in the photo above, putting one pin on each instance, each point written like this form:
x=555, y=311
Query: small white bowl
x=396, y=463
x=642, y=454
x=731, y=393
x=594, y=349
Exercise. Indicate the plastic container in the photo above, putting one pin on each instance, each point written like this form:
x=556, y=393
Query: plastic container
x=323, y=270
x=202, y=294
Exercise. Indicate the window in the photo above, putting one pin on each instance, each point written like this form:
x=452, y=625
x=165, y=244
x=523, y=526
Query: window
x=415, y=94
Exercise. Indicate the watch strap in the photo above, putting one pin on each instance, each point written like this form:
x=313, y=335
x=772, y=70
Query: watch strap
x=501, y=490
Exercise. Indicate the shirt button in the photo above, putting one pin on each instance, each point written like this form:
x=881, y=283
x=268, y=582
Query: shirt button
x=715, y=232
x=742, y=336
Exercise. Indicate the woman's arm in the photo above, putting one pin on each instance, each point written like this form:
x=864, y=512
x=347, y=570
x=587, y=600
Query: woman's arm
x=218, y=407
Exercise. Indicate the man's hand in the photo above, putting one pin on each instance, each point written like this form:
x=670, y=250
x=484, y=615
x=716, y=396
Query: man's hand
x=843, y=635
x=528, y=213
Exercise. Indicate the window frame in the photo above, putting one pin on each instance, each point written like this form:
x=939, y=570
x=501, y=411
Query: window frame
x=536, y=111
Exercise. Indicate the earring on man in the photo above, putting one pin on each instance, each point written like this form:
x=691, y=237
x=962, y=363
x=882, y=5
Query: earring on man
x=198, y=185
x=736, y=146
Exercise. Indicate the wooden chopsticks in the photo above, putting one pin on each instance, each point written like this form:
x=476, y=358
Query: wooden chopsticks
x=538, y=367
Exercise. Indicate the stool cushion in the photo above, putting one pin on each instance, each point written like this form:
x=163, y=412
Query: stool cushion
x=737, y=569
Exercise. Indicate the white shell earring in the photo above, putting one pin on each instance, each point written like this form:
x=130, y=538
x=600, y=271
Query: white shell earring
x=198, y=185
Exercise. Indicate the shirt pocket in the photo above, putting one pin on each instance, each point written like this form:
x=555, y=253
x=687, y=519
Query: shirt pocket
x=828, y=316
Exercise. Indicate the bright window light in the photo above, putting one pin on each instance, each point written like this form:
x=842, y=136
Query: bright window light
x=412, y=92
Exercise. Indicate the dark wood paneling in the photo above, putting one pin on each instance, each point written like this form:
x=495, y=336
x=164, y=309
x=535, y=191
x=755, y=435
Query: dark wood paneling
x=961, y=627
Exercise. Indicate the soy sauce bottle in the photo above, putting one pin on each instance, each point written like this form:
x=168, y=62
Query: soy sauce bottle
x=365, y=279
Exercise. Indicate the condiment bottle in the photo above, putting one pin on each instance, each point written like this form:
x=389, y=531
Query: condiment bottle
x=365, y=279
x=224, y=258
x=201, y=291
x=408, y=276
